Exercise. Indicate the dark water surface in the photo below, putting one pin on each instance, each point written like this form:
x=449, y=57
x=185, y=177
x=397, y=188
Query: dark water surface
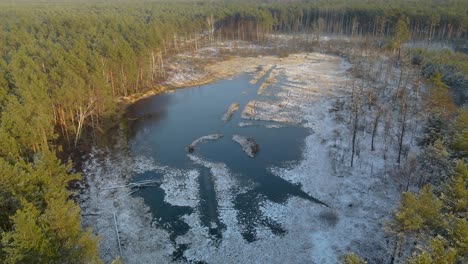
x=162, y=126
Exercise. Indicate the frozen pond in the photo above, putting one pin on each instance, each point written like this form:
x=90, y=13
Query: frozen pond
x=163, y=126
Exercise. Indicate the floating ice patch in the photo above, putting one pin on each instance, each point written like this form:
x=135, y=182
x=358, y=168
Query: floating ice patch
x=222, y=178
x=274, y=126
x=245, y=124
x=181, y=187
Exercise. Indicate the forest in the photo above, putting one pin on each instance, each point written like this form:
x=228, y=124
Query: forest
x=66, y=65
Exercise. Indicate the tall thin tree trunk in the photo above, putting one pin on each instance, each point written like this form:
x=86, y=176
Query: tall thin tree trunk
x=402, y=134
x=354, y=136
x=374, y=130
x=404, y=113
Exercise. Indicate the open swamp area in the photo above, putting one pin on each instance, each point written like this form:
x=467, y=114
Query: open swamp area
x=184, y=184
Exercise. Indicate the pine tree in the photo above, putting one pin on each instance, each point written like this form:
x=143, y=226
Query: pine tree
x=400, y=36
x=419, y=212
x=439, y=253
x=28, y=242
x=435, y=164
x=455, y=194
x=440, y=100
x=460, y=138
x=352, y=258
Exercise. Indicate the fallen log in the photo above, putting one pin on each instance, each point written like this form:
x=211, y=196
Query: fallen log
x=118, y=236
x=230, y=112
x=145, y=183
x=249, y=146
x=191, y=147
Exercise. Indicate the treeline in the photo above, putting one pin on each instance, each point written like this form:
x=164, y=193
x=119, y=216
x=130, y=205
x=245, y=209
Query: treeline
x=453, y=67
x=64, y=64
x=430, y=224
x=427, y=19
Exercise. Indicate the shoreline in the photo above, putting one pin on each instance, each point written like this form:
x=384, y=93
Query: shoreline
x=213, y=72
x=126, y=101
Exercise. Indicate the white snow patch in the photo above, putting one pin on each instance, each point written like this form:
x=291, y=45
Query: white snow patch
x=245, y=124
x=181, y=188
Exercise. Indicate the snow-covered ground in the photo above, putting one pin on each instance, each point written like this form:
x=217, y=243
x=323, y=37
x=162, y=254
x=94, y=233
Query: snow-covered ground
x=360, y=198
x=132, y=218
